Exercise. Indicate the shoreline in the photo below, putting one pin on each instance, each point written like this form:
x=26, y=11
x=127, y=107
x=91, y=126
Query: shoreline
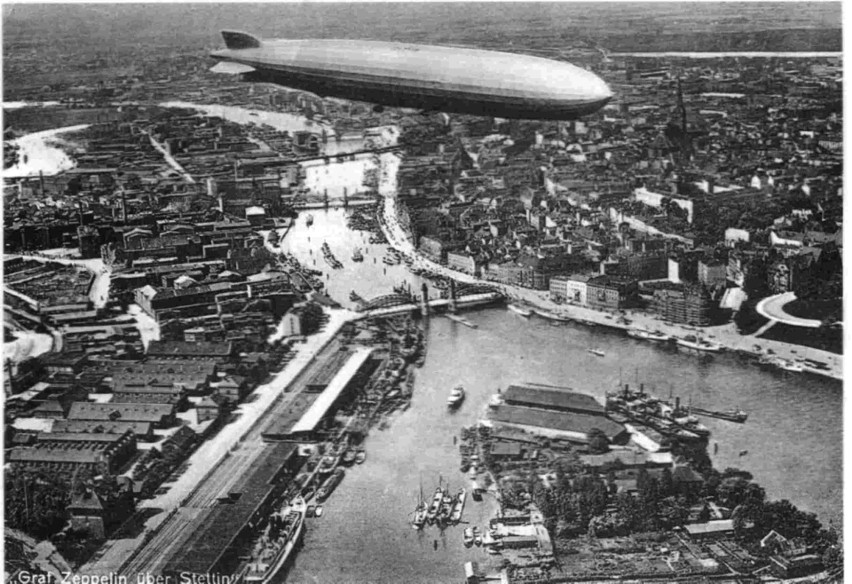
x=726, y=335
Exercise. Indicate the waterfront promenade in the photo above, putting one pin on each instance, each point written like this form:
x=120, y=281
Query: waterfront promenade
x=726, y=335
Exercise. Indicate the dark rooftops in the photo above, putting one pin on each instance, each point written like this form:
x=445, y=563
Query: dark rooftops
x=552, y=397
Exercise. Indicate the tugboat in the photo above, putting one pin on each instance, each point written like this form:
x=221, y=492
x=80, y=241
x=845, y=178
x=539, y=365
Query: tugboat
x=456, y=397
x=278, y=541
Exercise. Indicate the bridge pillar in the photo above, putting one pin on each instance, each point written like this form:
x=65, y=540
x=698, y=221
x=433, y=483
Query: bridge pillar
x=424, y=301
x=345, y=197
x=453, y=304
x=325, y=197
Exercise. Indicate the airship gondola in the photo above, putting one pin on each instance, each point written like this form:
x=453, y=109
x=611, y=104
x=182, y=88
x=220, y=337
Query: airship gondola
x=426, y=77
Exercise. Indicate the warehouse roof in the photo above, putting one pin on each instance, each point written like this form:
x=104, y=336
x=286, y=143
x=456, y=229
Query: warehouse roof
x=562, y=421
x=552, y=397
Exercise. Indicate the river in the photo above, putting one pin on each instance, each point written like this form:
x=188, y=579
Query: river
x=38, y=153
x=793, y=436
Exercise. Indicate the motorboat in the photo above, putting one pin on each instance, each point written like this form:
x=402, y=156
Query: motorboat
x=597, y=352
x=456, y=397
x=520, y=310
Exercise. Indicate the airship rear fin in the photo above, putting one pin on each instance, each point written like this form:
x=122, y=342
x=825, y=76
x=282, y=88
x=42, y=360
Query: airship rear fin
x=240, y=40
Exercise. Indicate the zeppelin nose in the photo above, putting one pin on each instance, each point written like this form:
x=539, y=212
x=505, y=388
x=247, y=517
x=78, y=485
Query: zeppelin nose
x=598, y=90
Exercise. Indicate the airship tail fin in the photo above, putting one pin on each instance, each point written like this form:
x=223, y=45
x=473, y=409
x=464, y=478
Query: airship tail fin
x=240, y=40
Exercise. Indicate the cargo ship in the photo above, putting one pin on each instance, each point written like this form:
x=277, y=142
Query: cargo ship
x=667, y=419
x=273, y=548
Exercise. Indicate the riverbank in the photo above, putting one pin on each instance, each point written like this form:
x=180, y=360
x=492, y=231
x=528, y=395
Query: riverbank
x=726, y=335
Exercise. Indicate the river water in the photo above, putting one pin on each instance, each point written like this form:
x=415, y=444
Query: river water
x=793, y=435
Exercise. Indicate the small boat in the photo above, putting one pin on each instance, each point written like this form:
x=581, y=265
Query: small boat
x=456, y=397
x=519, y=310
x=692, y=342
x=655, y=336
x=458, y=506
x=309, y=220
x=791, y=366
x=348, y=457
x=477, y=536
x=420, y=513
x=468, y=537
x=312, y=511
x=743, y=452
x=318, y=512
x=435, y=507
x=360, y=456
x=357, y=256
x=325, y=491
x=597, y=352
x=354, y=297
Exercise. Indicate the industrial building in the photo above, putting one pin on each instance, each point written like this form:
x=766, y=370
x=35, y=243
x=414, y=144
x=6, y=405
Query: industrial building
x=556, y=412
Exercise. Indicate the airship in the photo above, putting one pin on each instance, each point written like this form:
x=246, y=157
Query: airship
x=425, y=77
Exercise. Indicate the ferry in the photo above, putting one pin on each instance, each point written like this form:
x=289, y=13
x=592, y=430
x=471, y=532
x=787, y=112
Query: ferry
x=655, y=336
x=519, y=310
x=692, y=342
x=325, y=491
x=597, y=352
x=456, y=397
x=277, y=543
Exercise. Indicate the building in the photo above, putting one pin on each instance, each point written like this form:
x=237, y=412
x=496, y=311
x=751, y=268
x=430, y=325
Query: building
x=158, y=415
x=463, y=262
x=712, y=273
x=611, y=293
x=690, y=305
x=550, y=397
x=578, y=289
x=66, y=452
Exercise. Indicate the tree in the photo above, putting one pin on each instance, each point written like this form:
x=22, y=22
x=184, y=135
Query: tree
x=598, y=442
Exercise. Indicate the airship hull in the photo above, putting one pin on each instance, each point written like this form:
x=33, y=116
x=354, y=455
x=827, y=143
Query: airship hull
x=425, y=77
